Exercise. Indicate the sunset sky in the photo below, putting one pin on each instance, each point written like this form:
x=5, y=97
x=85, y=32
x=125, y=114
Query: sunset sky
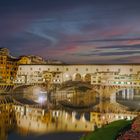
x=74, y=31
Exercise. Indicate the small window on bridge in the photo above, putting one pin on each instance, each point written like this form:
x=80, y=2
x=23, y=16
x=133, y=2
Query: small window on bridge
x=131, y=70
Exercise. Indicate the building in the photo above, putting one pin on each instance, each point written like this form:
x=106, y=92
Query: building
x=31, y=59
x=94, y=74
x=115, y=78
x=36, y=59
x=8, y=66
x=54, y=62
x=24, y=60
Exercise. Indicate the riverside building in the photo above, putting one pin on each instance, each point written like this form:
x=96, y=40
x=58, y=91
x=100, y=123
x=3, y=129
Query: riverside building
x=94, y=74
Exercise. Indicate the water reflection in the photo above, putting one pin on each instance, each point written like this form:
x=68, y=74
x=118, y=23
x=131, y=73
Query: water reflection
x=25, y=122
x=129, y=98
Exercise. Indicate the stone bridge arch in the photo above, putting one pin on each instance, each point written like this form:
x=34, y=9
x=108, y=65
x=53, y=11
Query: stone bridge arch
x=67, y=77
x=77, y=77
x=87, y=77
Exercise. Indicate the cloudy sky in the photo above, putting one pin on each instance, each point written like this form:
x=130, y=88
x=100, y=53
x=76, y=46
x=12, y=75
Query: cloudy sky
x=74, y=31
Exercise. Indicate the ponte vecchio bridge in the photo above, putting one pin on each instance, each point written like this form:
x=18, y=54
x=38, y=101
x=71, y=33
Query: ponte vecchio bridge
x=107, y=80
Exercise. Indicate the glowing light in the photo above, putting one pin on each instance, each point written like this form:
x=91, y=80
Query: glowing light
x=67, y=75
x=41, y=99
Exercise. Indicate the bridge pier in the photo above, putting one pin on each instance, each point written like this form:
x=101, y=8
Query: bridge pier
x=123, y=94
x=127, y=94
x=131, y=94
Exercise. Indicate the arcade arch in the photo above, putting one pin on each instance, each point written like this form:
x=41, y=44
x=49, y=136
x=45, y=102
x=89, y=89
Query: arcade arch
x=87, y=77
x=77, y=77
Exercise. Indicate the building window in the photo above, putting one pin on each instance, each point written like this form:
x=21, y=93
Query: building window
x=76, y=69
x=48, y=69
x=86, y=69
x=67, y=69
x=31, y=68
x=119, y=70
x=57, y=69
x=97, y=70
x=131, y=70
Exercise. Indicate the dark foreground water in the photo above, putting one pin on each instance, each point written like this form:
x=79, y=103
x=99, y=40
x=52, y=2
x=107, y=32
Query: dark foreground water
x=52, y=136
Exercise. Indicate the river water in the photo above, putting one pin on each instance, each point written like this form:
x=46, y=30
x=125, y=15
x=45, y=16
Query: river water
x=132, y=102
x=52, y=136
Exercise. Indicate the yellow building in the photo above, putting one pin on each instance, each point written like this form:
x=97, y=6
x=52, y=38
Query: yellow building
x=11, y=69
x=31, y=59
x=2, y=67
x=24, y=60
x=8, y=66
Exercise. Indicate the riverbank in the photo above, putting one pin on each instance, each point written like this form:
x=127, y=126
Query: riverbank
x=108, y=132
x=133, y=133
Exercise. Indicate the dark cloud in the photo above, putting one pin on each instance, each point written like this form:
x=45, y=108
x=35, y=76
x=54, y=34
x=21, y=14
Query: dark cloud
x=122, y=47
x=110, y=53
x=119, y=53
x=107, y=40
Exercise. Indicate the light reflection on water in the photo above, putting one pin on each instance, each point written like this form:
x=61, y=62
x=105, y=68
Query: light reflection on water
x=64, y=125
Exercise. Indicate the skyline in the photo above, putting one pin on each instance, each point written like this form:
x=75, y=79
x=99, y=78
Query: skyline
x=82, y=31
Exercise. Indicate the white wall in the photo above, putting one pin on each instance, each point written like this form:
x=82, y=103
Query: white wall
x=67, y=72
